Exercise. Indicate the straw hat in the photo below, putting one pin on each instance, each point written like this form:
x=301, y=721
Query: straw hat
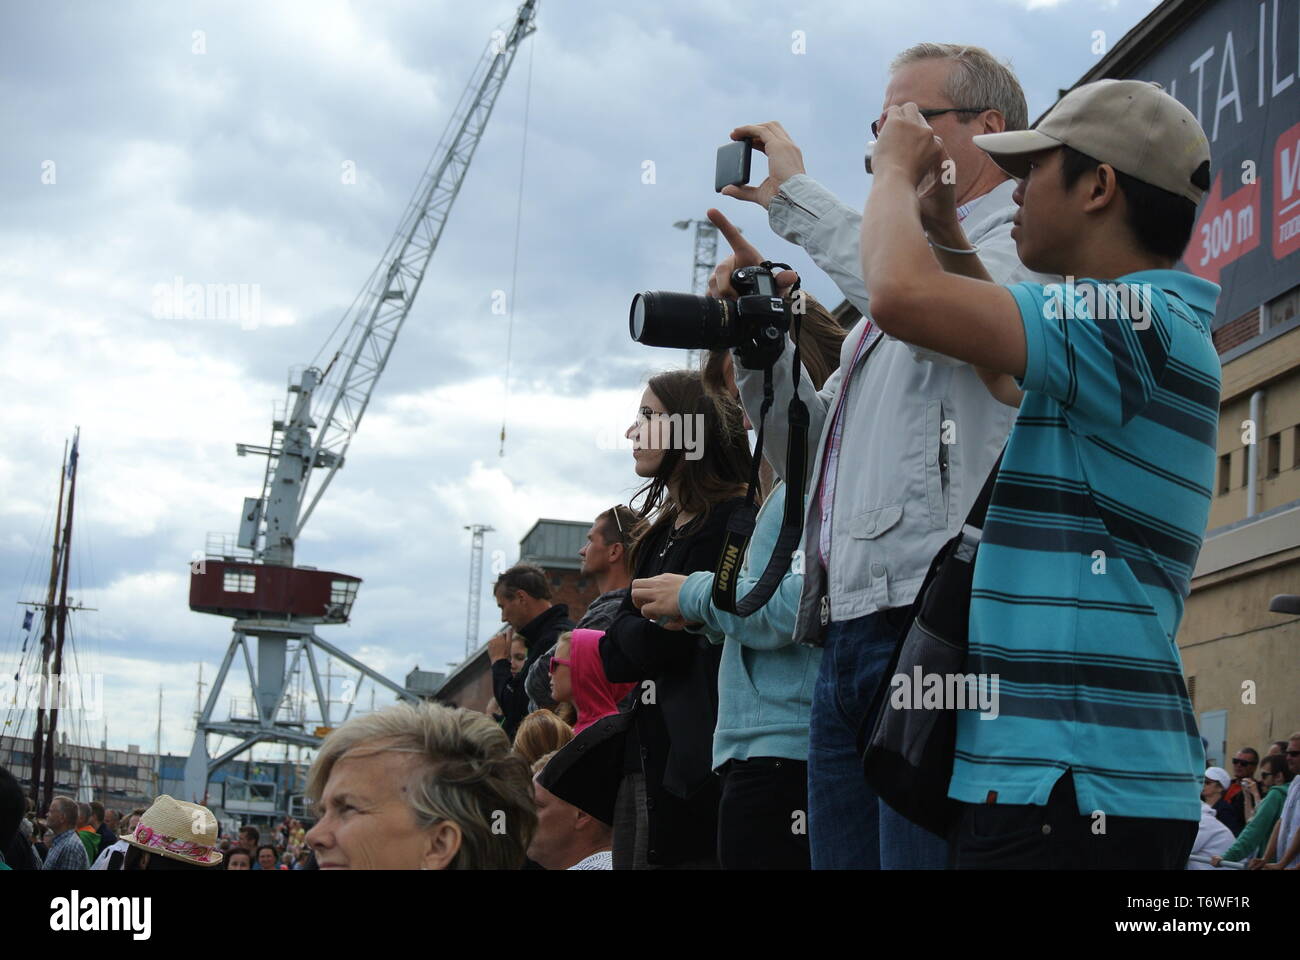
x=179, y=830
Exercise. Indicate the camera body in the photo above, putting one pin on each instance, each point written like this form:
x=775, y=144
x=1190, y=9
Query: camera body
x=754, y=324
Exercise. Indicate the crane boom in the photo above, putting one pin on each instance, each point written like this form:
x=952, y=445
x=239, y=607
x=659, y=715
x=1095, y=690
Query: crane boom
x=333, y=401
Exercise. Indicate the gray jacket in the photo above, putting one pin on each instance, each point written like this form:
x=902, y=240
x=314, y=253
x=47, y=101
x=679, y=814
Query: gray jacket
x=901, y=492
x=600, y=614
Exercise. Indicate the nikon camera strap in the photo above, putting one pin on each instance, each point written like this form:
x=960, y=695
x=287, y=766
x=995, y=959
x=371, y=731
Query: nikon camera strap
x=740, y=526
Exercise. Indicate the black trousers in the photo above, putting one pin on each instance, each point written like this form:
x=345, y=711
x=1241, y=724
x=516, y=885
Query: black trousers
x=999, y=836
x=763, y=816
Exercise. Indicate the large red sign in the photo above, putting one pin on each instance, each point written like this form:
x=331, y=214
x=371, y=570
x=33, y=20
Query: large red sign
x=1227, y=228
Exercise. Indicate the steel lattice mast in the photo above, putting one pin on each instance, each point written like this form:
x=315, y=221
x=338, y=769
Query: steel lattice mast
x=475, y=584
x=270, y=599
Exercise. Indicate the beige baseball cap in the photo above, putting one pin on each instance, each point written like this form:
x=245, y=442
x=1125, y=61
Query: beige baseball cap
x=1132, y=125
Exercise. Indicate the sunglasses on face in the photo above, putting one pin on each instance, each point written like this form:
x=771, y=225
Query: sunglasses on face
x=1238, y=761
x=556, y=661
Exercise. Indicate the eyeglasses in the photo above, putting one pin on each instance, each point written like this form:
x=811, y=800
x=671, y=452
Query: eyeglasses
x=557, y=660
x=876, y=124
x=1293, y=753
x=1239, y=760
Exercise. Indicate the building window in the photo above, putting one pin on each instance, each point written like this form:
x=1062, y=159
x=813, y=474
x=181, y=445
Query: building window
x=1247, y=452
x=1225, y=473
x=239, y=581
x=1274, y=455
x=343, y=591
x=1284, y=308
x=1295, y=448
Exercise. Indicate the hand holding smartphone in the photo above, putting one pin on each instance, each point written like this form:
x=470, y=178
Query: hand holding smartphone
x=733, y=164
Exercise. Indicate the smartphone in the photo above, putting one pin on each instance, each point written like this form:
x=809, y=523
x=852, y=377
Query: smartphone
x=733, y=164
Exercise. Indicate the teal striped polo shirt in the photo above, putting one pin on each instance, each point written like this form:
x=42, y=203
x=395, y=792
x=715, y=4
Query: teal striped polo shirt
x=1093, y=531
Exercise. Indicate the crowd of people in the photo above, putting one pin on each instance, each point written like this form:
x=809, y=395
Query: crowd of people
x=660, y=731
x=1244, y=814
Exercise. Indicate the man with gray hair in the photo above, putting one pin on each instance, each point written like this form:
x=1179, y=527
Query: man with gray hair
x=901, y=439
x=66, y=850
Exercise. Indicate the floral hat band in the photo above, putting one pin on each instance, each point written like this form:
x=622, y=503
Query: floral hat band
x=145, y=837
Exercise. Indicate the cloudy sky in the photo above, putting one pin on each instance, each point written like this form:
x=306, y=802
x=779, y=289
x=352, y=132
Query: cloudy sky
x=145, y=142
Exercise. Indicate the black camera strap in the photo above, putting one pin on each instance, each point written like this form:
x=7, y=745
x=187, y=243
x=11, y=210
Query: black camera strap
x=740, y=527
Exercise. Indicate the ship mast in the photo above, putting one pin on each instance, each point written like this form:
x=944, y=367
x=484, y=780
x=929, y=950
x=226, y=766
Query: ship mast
x=53, y=635
x=47, y=640
x=60, y=628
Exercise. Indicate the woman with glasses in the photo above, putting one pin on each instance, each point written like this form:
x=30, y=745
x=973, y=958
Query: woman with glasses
x=765, y=683
x=693, y=453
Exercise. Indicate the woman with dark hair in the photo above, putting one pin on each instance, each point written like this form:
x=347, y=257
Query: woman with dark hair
x=693, y=452
x=765, y=682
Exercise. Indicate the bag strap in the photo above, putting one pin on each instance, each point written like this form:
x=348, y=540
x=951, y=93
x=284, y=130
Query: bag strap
x=980, y=508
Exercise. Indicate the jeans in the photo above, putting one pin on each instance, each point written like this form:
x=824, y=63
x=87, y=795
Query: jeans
x=763, y=801
x=1056, y=836
x=849, y=826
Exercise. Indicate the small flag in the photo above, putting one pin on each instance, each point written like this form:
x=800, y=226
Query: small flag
x=27, y=620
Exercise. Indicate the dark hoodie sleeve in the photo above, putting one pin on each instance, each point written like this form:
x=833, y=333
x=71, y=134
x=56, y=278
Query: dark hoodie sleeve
x=635, y=648
x=538, y=684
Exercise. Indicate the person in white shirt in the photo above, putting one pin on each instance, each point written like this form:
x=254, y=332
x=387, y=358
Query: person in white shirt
x=1212, y=839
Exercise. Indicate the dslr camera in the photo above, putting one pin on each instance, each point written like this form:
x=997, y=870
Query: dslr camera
x=755, y=323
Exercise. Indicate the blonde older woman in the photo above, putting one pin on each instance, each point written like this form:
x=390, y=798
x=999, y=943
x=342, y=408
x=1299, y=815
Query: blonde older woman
x=420, y=788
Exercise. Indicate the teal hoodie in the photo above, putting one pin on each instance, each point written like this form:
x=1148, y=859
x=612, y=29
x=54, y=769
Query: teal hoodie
x=765, y=681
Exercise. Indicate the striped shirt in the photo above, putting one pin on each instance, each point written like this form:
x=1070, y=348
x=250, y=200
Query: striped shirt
x=600, y=860
x=1095, y=524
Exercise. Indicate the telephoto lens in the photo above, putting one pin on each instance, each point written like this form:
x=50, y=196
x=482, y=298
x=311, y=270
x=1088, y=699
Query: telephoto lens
x=683, y=320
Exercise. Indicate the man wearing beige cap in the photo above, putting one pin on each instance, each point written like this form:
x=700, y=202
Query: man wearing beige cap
x=1102, y=496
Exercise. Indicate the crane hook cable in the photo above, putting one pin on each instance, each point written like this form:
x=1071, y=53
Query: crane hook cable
x=514, y=269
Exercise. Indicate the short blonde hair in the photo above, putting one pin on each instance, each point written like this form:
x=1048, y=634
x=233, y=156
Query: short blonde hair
x=466, y=774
